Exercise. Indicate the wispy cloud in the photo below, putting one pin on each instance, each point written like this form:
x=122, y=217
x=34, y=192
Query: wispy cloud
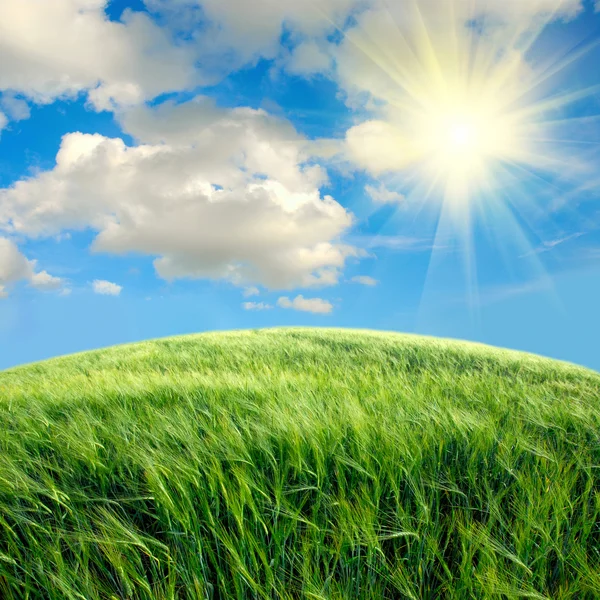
x=364, y=280
x=251, y=291
x=398, y=243
x=313, y=305
x=549, y=245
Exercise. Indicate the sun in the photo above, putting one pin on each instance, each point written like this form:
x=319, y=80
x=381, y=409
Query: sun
x=461, y=142
x=462, y=136
x=455, y=141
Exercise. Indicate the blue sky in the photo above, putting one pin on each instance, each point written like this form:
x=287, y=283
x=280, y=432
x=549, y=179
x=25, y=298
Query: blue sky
x=192, y=165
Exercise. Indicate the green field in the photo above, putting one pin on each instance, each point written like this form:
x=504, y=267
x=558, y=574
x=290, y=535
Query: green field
x=299, y=463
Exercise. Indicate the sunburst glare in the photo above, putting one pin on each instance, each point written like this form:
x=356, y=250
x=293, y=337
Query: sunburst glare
x=471, y=107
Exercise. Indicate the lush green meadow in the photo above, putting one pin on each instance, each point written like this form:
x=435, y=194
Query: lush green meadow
x=299, y=463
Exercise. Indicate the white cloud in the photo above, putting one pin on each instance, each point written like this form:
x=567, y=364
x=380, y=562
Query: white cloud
x=213, y=193
x=364, y=280
x=3, y=121
x=17, y=108
x=381, y=195
x=313, y=305
x=231, y=33
x=308, y=58
x=15, y=267
x=66, y=292
x=228, y=34
x=251, y=291
x=62, y=48
x=376, y=146
x=58, y=49
x=106, y=288
x=256, y=306
x=229, y=139
x=45, y=281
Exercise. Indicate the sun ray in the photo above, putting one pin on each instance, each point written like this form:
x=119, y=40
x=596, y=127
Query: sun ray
x=478, y=118
x=473, y=116
x=557, y=67
x=529, y=29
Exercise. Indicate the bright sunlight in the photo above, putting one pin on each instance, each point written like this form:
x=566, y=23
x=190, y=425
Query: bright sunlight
x=472, y=122
x=463, y=100
x=464, y=144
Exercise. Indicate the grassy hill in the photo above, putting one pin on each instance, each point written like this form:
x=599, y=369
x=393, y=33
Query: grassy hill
x=299, y=463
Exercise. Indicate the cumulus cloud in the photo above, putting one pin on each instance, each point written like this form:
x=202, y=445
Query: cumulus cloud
x=62, y=48
x=212, y=193
x=106, y=288
x=256, y=306
x=14, y=267
x=313, y=305
x=364, y=280
x=228, y=34
x=58, y=49
x=381, y=195
x=232, y=33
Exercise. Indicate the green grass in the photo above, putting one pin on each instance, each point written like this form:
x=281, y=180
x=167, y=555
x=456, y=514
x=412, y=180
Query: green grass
x=299, y=463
